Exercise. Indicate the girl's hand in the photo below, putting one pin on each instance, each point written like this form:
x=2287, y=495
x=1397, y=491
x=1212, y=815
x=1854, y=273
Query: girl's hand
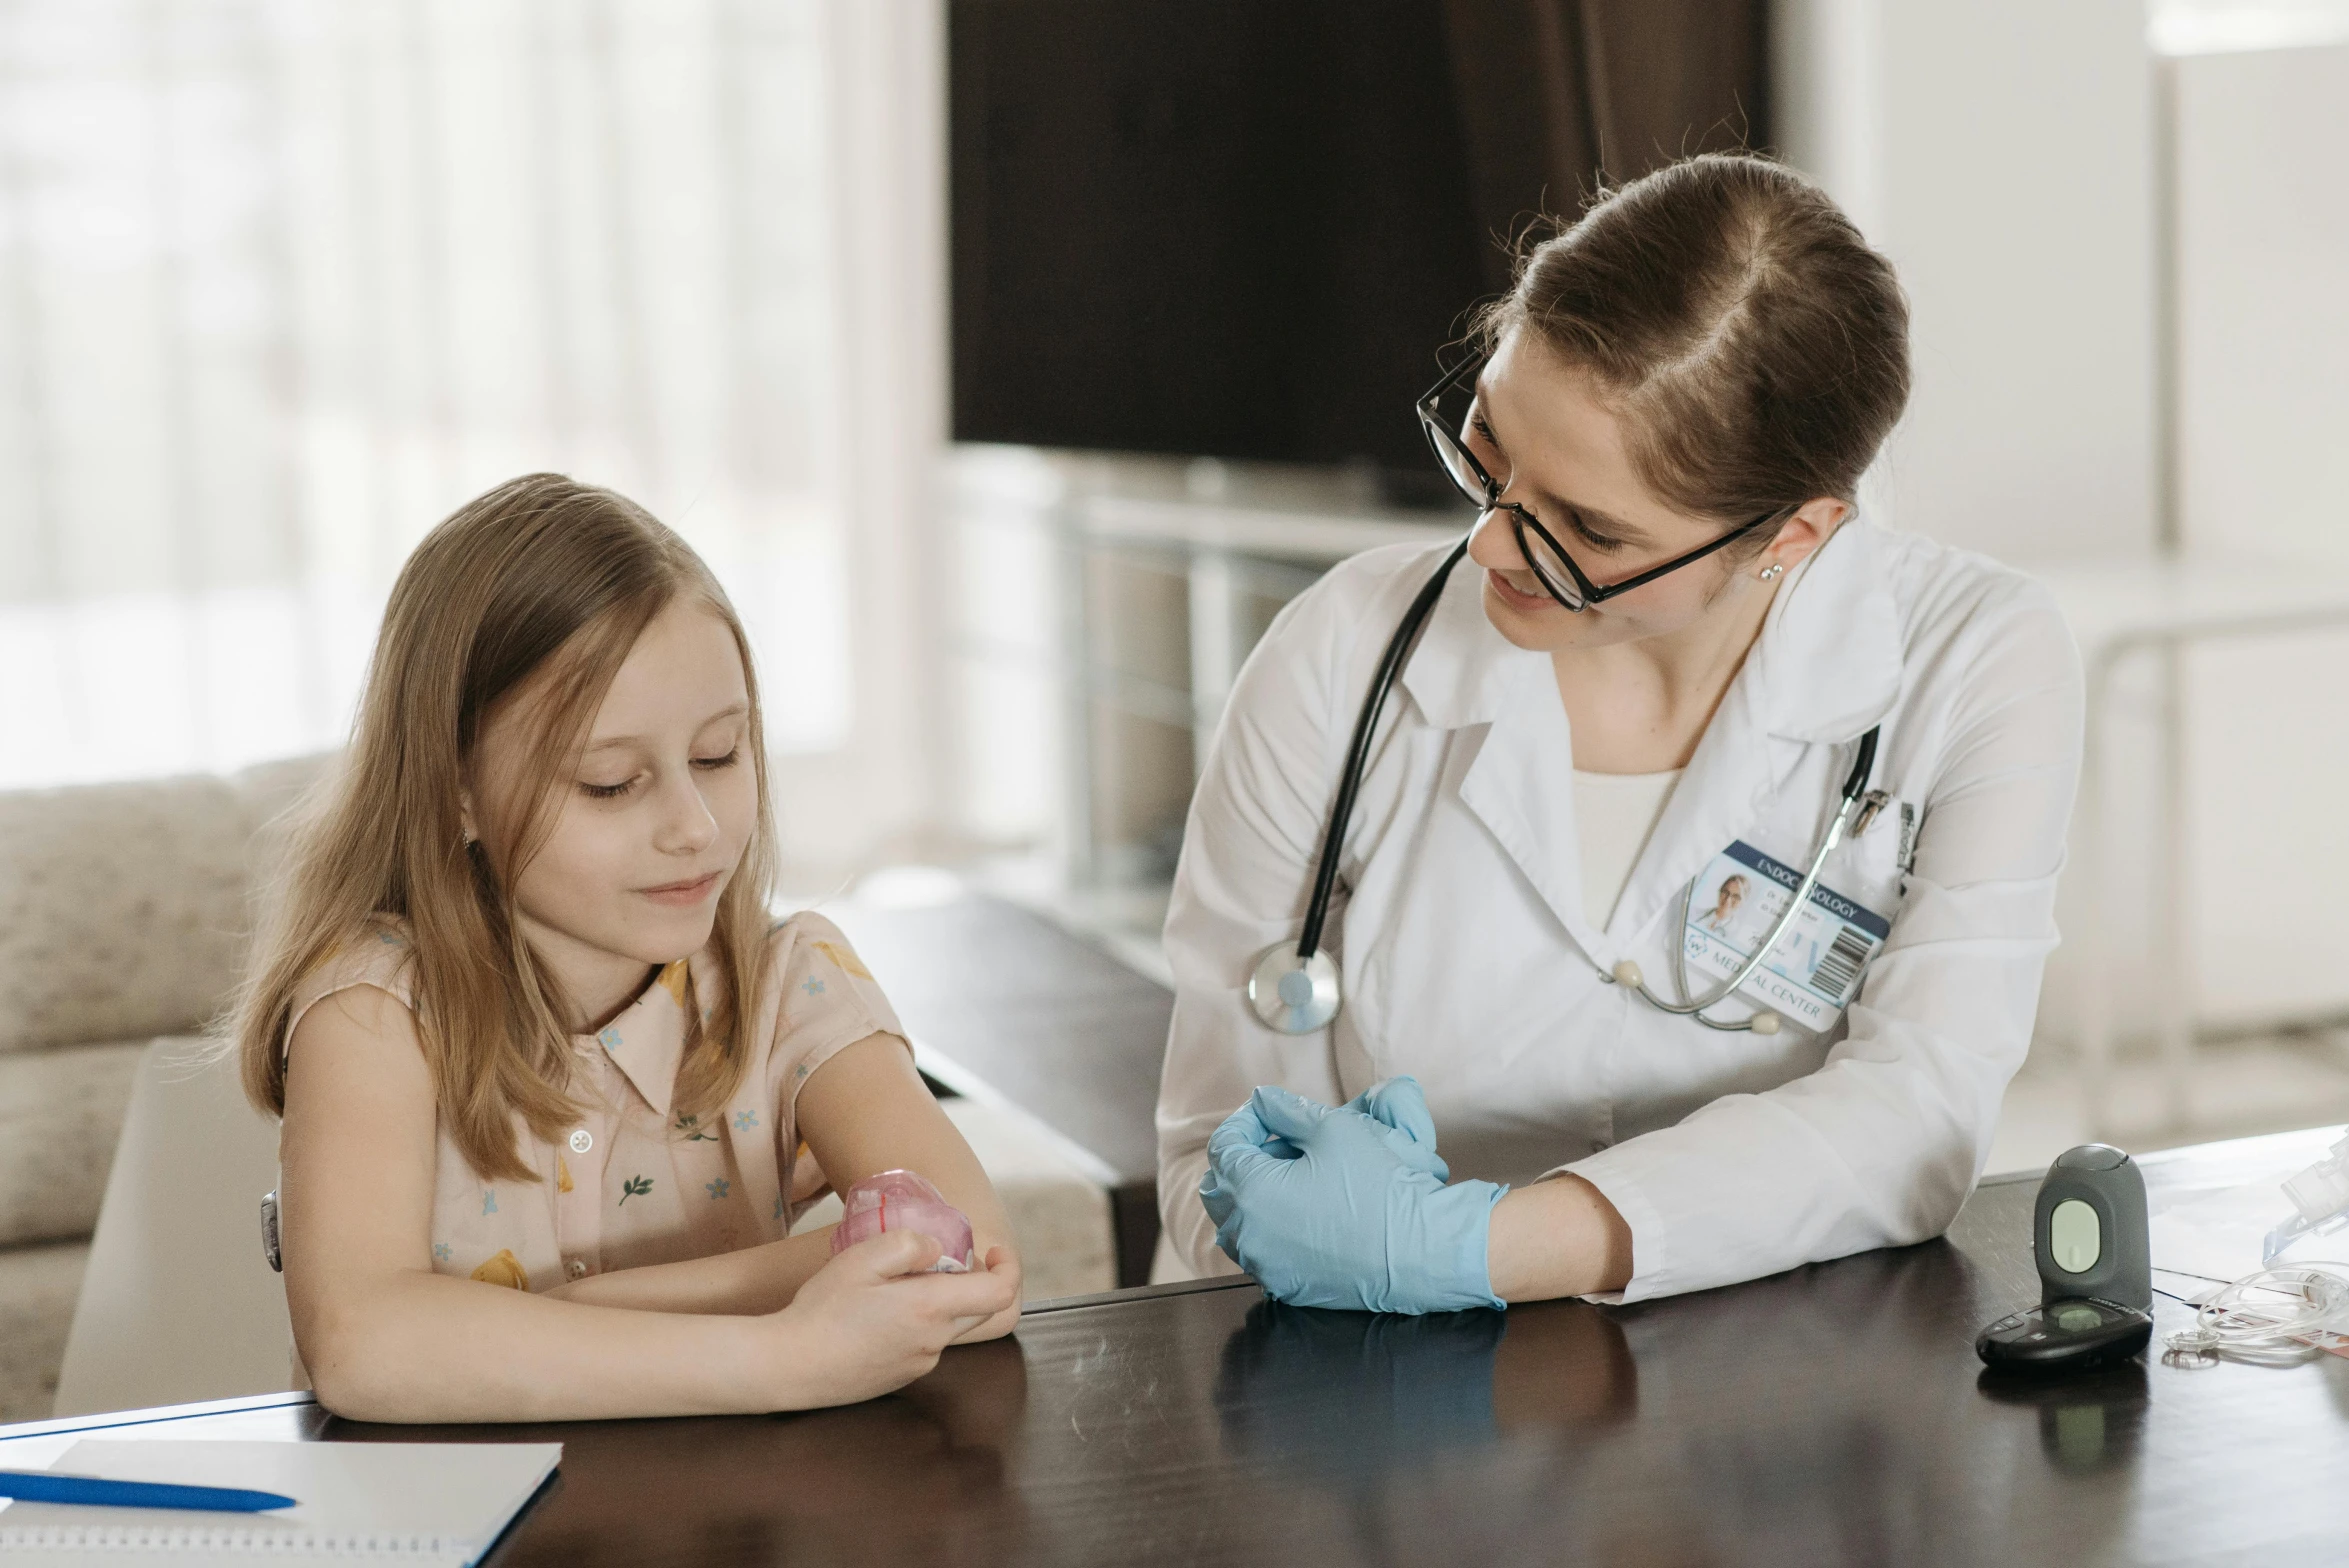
x=871, y=1321
x=1004, y=1264
x=866, y=1110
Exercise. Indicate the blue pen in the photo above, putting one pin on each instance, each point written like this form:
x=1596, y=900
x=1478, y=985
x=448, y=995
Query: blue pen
x=46, y=1486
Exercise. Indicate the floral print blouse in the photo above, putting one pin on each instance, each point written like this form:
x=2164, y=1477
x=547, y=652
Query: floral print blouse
x=634, y=1182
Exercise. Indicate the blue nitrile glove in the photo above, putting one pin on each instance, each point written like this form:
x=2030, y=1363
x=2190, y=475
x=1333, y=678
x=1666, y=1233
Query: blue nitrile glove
x=1336, y=1208
x=1397, y=1102
x=1401, y=1104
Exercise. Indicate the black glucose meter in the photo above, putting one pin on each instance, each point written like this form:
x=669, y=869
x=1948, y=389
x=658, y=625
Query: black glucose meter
x=2088, y=1237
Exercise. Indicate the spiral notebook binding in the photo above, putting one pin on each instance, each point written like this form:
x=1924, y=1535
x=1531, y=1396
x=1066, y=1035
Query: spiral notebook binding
x=220, y=1538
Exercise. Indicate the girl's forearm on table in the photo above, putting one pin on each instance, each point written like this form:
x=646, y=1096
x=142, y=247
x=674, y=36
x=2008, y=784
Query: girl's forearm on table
x=424, y=1347
x=750, y=1281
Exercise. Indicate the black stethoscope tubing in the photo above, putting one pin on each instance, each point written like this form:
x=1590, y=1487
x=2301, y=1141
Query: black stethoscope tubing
x=1390, y=666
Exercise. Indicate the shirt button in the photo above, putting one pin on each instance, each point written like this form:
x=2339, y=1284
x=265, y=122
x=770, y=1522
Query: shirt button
x=576, y=1268
x=582, y=1141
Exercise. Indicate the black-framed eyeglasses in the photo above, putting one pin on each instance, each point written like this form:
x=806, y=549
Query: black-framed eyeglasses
x=1551, y=565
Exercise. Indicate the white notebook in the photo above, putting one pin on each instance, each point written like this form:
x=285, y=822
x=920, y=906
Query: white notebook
x=391, y=1502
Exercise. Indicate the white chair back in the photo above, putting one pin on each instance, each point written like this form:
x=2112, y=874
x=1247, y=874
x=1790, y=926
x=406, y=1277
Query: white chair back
x=179, y=1304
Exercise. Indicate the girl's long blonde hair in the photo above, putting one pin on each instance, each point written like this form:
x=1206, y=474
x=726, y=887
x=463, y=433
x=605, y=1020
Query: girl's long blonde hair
x=541, y=583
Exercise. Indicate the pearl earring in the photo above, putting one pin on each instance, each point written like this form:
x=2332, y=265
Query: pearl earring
x=1770, y=573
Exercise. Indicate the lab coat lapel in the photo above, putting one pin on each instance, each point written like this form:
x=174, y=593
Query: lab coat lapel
x=1461, y=669
x=1521, y=787
x=1826, y=667
x=1521, y=784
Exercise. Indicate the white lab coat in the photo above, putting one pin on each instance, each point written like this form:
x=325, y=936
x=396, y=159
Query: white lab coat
x=1467, y=962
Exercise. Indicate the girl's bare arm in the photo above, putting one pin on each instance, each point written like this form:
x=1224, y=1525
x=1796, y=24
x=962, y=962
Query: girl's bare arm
x=387, y=1339
x=865, y=1110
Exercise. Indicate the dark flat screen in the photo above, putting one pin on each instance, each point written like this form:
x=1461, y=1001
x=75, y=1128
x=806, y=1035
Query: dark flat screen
x=1239, y=228
x=1248, y=228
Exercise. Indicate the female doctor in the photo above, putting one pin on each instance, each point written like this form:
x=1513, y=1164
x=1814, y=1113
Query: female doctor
x=1672, y=653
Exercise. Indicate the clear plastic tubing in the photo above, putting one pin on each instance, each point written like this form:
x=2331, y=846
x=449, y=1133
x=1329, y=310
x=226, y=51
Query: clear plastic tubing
x=2274, y=1317
x=2320, y=1202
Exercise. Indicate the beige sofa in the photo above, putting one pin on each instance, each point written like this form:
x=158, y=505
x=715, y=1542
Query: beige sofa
x=124, y=913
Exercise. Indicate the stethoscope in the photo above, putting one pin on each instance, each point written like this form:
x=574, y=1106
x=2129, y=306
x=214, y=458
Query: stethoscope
x=1294, y=986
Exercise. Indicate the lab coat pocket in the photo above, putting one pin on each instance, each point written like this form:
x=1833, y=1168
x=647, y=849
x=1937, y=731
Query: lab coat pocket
x=1867, y=869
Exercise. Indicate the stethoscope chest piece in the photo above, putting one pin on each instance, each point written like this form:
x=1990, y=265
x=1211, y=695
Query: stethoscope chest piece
x=1294, y=995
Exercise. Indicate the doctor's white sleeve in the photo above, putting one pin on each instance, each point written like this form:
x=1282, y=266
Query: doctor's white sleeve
x=1241, y=884
x=1881, y=1145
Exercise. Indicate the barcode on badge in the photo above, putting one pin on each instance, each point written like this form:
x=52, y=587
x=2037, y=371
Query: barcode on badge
x=1842, y=963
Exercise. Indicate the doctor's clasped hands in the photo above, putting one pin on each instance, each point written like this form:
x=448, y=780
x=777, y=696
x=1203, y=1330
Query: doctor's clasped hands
x=1347, y=1206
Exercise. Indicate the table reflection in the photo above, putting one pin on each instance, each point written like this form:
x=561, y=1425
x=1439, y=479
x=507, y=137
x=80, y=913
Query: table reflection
x=923, y=1476
x=2088, y=1421
x=1352, y=1394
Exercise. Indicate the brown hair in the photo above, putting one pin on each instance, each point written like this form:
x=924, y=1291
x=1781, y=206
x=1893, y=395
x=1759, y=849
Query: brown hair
x=531, y=595
x=1754, y=346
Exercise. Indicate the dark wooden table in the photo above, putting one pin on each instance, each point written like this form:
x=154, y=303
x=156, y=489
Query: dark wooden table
x=1835, y=1414
x=1004, y=1005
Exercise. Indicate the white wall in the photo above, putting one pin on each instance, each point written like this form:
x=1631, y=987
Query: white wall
x=2263, y=281
x=2000, y=152
x=882, y=794
x=2263, y=257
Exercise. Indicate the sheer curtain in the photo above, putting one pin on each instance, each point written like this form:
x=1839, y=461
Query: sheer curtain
x=284, y=281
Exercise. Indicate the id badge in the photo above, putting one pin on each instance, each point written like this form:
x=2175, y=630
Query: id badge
x=1811, y=974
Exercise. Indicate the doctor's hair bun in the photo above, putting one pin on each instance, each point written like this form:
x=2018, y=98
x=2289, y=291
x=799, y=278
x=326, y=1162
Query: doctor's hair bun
x=1754, y=346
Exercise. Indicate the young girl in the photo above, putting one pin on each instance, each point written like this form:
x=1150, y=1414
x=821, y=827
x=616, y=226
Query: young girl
x=543, y=1063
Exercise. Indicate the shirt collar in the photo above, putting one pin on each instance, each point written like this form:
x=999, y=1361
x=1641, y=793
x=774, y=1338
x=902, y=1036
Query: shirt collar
x=647, y=1040
x=1459, y=674
x=1825, y=668
x=1827, y=665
